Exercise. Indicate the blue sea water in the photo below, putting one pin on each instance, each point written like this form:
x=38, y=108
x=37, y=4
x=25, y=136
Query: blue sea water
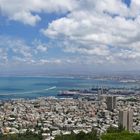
x=33, y=87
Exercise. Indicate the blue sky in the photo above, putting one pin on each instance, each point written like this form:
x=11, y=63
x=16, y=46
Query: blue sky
x=68, y=36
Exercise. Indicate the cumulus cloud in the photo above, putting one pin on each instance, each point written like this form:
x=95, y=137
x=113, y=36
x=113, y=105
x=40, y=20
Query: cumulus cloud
x=28, y=11
x=108, y=29
x=97, y=31
x=40, y=47
x=52, y=61
x=14, y=51
x=3, y=56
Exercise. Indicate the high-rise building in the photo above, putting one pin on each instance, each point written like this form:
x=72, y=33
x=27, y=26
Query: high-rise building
x=126, y=119
x=123, y=118
x=111, y=102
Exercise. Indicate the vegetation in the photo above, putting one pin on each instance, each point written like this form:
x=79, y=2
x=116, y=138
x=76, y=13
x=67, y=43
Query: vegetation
x=112, y=134
x=112, y=129
x=79, y=136
x=109, y=136
x=121, y=136
x=26, y=136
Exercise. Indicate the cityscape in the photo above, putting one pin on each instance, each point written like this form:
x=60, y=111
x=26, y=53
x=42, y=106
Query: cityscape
x=62, y=116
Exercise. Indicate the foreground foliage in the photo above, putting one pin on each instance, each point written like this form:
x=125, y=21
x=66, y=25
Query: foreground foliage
x=26, y=136
x=121, y=136
x=109, y=136
x=80, y=136
x=112, y=134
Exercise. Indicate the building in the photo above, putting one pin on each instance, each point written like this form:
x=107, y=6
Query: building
x=111, y=102
x=100, y=92
x=126, y=119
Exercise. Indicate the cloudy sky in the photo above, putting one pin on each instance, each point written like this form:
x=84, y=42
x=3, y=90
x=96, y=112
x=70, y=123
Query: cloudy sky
x=69, y=35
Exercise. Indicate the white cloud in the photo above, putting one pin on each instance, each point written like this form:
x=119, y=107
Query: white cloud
x=107, y=29
x=96, y=31
x=50, y=61
x=40, y=46
x=14, y=51
x=24, y=10
x=3, y=56
x=26, y=18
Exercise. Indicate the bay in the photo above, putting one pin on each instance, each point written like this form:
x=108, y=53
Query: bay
x=34, y=87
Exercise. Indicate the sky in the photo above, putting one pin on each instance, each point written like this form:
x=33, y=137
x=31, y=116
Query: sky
x=69, y=36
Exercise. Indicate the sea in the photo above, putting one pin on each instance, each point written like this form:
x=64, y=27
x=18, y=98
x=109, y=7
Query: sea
x=45, y=86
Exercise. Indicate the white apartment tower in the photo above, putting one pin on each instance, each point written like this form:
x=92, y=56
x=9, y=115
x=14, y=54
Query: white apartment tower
x=126, y=119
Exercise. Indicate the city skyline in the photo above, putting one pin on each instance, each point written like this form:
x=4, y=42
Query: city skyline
x=69, y=36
